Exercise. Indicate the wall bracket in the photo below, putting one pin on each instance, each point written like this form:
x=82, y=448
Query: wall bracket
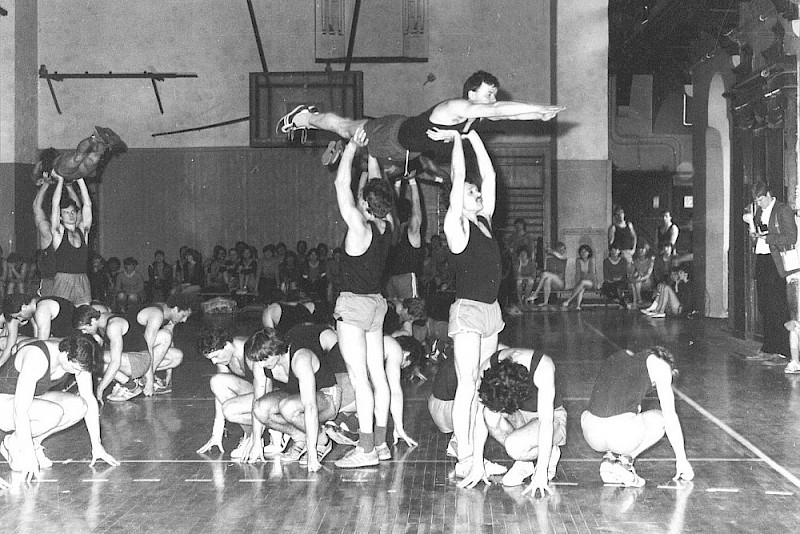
x=152, y=76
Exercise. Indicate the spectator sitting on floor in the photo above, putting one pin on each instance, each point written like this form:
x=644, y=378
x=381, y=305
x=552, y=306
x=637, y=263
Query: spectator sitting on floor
x=615, y=276
x=193, y=274
x=314, y=280
x=673, y=298
x=16, y=273
x=585, y=276
x=552, y=278
x=215, y=277
x=99, y=279
x=662, y=264
x=525, y=274
x=159, y=275
x=248, y=270
x=130, y=286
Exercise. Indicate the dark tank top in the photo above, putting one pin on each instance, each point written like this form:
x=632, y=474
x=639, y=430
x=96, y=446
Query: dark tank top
x=621, y=385
x=623, y=237
x=412, y=135
x=478, y=267
x=531, y=404
x=9, y=374
x=307, y=337
x=445, y=382
x=663, y=237
x=363, y=275
x=335, y=360
x=291, y=316
x=48, y=263
x=133, y=340
x=69, y=259
x=404, y=258
x=61, y=324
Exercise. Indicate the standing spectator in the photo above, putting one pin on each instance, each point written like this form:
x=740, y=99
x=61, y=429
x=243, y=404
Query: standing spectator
x=159, y=274
x=667, y=231
x=615, y=276
x=585, y=276
x=622, y=235
x=774, y=222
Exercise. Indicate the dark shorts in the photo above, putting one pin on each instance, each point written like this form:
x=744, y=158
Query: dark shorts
x=382, y=134
x=140, y=363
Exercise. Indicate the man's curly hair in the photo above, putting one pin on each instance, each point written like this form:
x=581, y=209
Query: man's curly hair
x=379, y=196
x=213, y=339
x=505, y=386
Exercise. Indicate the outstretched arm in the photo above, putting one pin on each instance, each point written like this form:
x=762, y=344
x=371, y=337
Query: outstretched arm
x=344, y=196
x=86, y=209
x=488, y=175
x=39, y=215
x=56, y=228
x=456, y=226
x=415, y=221
x=454, y=111
x=661, y=373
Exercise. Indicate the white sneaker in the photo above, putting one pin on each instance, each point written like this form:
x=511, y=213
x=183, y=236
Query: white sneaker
x=452, y=448
x=277, y=443
x=240, y=449
x=792, y=368
x=122, y=394
x=518, y=473
x=493, y=469
x=44, y=461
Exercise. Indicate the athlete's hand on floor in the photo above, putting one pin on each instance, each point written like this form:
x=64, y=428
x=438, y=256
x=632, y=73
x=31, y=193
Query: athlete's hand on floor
x=539, y=483
x=313, y=462
x=28, y=465
x=213, y=441
x=149, y=388
x=401, y=434
x=101, y=454
x=255, y=453
x=475, y=475
x=683, y=470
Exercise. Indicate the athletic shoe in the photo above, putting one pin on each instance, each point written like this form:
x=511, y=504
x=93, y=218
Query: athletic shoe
x=493, y=469
x=295, y=452
x=286, y=123
x=358, y=458
x=518, y=473
x=657, y=315
x=122, y=394
x=630, y=479
x=332, y=153
x=776, y=360
x=322, y=452
x=463, y=467
x=757, y=357
x=552, y=465
x=452, y=448
x=161, y=387
x=8, y=451
x=339, y=435
x=608, y=473
x=276, y=444
x=44, y=461
x=383, y=452
x=792, y=368
x=648, y=311
x=240, y=449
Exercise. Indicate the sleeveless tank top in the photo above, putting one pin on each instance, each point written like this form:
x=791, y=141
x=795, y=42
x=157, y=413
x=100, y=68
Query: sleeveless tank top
x=9, y=374
x=478, y=267
x=623, y=237
x=403, y=258
x=412, y=135
x=69, y=259
x=307, y=337
x=335, y=360
x=61, y=324
x=48, y=263
x=363, y=275
x=445, y=382
x=291, y=316
x=663, y=237
x=531, y=404
x=621, y=385
x=133, y=340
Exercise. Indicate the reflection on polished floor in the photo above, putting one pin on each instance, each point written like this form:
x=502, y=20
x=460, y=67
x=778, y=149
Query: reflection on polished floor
x=741, y=421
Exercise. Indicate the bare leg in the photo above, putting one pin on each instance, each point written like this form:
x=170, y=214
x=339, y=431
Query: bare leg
x=331, y=122
x=353, y=344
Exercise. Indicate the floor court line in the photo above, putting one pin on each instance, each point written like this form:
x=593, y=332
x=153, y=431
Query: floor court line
x=720, y=424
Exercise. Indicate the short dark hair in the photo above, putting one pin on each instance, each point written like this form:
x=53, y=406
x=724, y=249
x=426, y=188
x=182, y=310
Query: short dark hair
x=520, y=220
x=182, y=301
x=587, y=248
x=415, y=349
x=81, y=349
x=83, y=315
x=663, y=354
x=415, y=308
x=379, y=196
x=13, y=303
x=157, y=252
x=505, y=386
x=68, y=203
x=213, y=339
x=760, y=189
x=476, y=79
x=130, y=260
x=263, y=344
